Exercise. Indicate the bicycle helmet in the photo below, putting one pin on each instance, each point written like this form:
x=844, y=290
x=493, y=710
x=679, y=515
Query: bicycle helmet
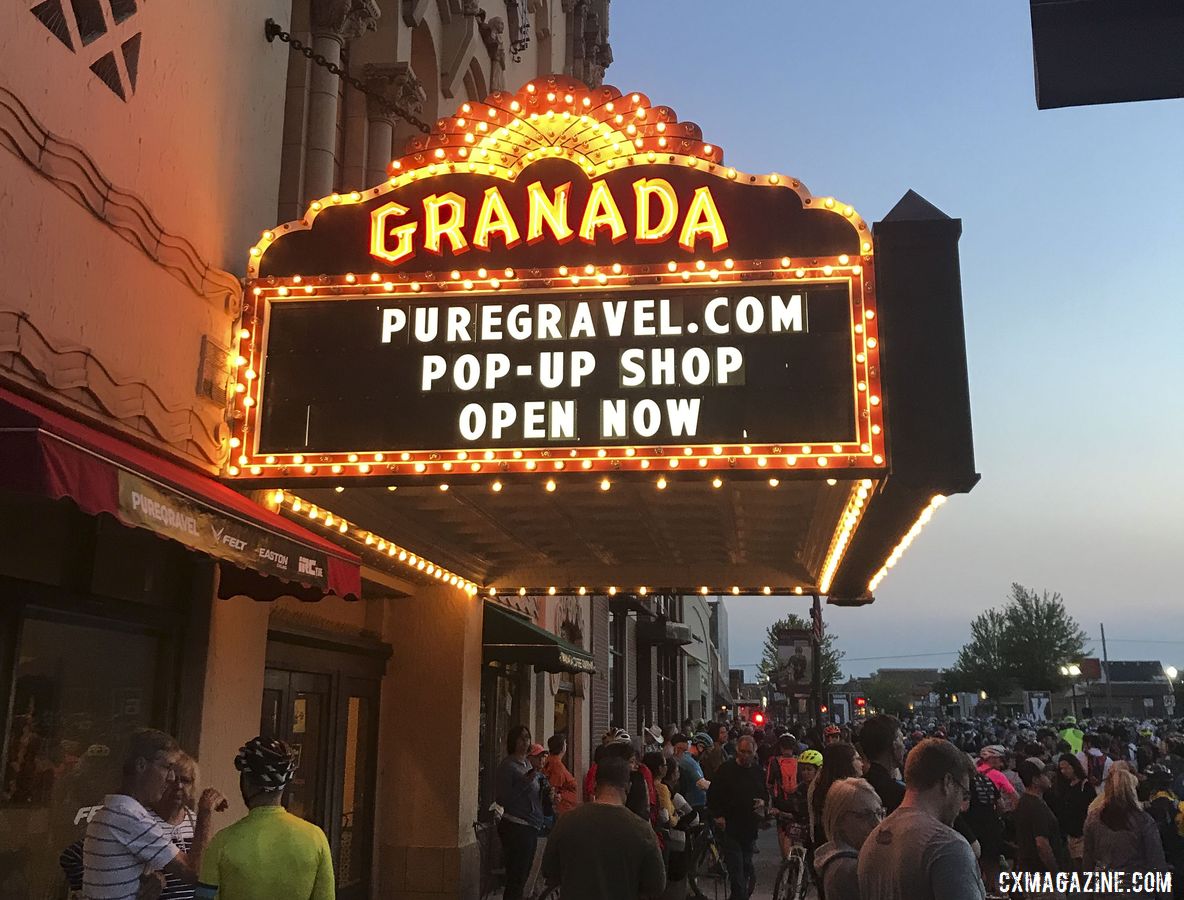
x=703, y=741
x=267, y=762
x=1158, y=774
x=810, y=758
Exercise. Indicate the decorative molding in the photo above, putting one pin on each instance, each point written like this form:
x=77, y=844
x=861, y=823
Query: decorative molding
x=70, y=169
x=79, y=380
x=395, y=82
x=347, y=19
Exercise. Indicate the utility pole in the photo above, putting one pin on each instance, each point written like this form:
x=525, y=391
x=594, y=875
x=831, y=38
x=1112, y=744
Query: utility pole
x=1106, y=663
x=816, y=616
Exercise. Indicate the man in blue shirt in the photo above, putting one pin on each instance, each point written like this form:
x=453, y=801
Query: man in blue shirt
x=691, y=782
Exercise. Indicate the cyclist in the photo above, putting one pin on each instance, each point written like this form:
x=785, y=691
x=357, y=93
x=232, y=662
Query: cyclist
x=781, y=779
x=832, y=734
x=793, y=817
x=269, y=853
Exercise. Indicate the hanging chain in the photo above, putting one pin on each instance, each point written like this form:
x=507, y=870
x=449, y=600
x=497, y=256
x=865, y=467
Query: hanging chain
x=273, y=31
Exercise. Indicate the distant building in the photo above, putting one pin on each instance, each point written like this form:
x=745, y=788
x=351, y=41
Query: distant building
x=1138, y=689
x=721, y=686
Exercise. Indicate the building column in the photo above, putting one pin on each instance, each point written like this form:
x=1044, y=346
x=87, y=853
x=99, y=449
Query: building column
x=333, y=22
x=388, y=134
x=429, y=749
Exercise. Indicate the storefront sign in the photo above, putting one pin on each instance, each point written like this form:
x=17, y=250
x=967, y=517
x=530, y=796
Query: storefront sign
x=145, y=504
x=561, y=281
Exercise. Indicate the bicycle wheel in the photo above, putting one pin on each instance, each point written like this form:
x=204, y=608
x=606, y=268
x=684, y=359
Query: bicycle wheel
x=789, y=878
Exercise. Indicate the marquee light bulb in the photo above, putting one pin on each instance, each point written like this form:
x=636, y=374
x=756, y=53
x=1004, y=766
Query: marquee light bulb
x=717, y=482
x=661, y=484
x=605, y=484
x=550, y=485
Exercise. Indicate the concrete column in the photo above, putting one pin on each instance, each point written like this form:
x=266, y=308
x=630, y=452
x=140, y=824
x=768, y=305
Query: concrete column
x=236, y=659
x=353, y=168
x=333, y=22
x=380, y=136
x=320, y=152
x=388, y=134
x=292, y=201
x=429, y=750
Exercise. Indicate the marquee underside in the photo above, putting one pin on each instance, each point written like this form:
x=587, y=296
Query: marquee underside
x=745, y=534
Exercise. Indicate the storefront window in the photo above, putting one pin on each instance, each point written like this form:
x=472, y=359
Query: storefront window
x=78, y=692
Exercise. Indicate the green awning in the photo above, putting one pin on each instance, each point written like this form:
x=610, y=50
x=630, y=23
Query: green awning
x=508, y=637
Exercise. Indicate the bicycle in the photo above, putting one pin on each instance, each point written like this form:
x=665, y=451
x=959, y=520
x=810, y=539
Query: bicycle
x=792, y=877
x=705, y=859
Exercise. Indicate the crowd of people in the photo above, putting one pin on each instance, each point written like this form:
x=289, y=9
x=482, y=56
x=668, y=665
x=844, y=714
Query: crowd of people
x=884, y=809
x=151, y=837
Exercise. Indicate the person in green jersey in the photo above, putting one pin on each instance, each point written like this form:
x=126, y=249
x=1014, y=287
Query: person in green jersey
x=270, y=853
x=1071, y=734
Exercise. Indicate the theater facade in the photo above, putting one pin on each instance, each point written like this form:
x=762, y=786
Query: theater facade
x=486, y=422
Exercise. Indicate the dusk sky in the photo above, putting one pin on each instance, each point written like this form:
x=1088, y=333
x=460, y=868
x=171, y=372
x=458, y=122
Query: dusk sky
x=1072, y=245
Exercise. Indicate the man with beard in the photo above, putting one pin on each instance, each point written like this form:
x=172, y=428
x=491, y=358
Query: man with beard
x=914, y=854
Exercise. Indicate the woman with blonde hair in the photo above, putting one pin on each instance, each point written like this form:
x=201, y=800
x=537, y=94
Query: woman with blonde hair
x=852, y=810
x=1118, y=833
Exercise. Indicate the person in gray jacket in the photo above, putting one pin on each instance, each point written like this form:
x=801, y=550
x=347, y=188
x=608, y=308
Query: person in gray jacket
x=853, y=809
x=1119, y=835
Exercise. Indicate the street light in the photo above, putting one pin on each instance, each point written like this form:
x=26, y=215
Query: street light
x=1072, y=671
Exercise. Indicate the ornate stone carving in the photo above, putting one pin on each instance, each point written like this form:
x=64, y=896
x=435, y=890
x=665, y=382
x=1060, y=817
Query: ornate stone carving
x=345, y=18
x=396, y=82
x=493, y=33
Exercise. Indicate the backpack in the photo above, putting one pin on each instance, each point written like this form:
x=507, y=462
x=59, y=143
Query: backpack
x=782, y=777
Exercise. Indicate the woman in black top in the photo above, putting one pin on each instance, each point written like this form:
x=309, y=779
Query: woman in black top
x=1072, y=795
x=839, y=760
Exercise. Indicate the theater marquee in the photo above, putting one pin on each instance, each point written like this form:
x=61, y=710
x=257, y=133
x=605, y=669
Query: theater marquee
x=561, y=280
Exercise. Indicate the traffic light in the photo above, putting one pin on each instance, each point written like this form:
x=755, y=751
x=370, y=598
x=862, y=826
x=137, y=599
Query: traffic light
x=824, y=709
x=758, y=718
x=861, y=702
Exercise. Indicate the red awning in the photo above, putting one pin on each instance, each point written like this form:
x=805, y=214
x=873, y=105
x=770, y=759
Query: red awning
x=47, y=453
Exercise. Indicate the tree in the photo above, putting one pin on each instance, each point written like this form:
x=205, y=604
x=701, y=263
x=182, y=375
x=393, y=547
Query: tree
x=1040, y=636
x=886, y=695
x=981, y=664
x=1021, y=645
x=832, y=668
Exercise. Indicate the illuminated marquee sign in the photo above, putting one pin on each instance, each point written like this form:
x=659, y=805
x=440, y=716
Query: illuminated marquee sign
x=561, y=280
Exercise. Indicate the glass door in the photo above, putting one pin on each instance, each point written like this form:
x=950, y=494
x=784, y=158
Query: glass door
x=356, y=818
x=296, y=710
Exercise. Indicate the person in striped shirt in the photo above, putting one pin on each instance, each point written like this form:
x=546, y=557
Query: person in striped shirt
x=126, y=844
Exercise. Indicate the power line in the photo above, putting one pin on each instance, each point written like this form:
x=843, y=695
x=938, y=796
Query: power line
x=847, y=659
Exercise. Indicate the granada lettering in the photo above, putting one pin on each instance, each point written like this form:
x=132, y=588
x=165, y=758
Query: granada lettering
x=397, y=232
